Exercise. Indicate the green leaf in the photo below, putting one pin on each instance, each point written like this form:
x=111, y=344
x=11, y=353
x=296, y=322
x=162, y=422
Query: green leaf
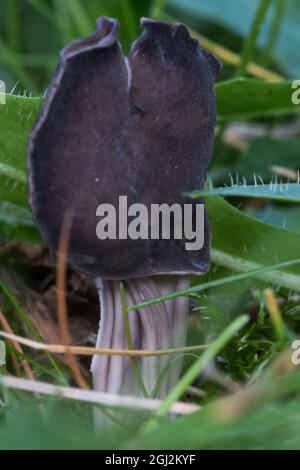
x=242, y=244
x=17, y=117
x=12, y=184
x=246, y=245
x=16, y=223
x=287, y=192
x=198, y=366
x=283, y=216
x=244, y=98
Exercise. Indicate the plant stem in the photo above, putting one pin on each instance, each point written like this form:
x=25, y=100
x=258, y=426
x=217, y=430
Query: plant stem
x=156, y=11
x=9, y=58
x=274, y=31
x=249, y=46
x=129, y=17
x=12, y=25
x=79, y=17
x=56, y=20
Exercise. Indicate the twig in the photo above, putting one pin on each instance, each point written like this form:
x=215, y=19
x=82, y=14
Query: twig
x=87, y=351
x=90, y=396
x=61, y=300
x=25, y=321
x=16, y=345
x=288, y=173
x=230, y=57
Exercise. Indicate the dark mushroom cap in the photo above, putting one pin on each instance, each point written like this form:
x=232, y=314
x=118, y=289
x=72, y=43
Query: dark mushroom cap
x=111, y=126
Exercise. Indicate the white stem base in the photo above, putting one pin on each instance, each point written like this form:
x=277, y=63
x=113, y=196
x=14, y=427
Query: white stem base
x=160, y=326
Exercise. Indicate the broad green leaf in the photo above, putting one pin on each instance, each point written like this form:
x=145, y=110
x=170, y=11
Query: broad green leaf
x=17, y=117
x=249, y=246
x=12, y=184
x=16, y=223
x=287, y=192
x=244, y=98
x=283, y=216
x=242, y=243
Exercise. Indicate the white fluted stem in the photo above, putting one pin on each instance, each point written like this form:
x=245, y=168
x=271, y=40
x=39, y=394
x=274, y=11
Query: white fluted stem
x=159, y=326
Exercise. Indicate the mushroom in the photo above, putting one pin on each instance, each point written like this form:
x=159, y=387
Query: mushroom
x=140, y=126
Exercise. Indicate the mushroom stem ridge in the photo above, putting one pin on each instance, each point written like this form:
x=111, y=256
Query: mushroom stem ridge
x=159, y=326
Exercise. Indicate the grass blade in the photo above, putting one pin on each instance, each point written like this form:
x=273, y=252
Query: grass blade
x=198, y=366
